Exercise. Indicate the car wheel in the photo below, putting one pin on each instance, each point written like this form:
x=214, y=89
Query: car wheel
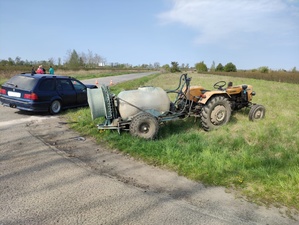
x=55, y=107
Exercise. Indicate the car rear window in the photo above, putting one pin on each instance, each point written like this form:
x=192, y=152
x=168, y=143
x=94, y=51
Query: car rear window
x=22, y=82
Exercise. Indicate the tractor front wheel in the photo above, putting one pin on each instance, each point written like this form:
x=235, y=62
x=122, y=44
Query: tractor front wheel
x=257, y=112
x=145, y=126
x=215, y=113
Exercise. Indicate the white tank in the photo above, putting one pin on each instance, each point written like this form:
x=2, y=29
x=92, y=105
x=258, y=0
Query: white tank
x=145, y=98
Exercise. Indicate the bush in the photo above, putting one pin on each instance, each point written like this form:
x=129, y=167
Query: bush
x=264, y=69
x=201, y=67
x=174, y=67
x=219, y=67
x=230, y=67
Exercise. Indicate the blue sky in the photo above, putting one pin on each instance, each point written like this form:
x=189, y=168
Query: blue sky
x=248, y=33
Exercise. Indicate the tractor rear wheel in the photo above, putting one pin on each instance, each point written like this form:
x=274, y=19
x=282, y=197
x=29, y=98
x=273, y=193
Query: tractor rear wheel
x=145, y=126
x=215, y=113
x=257, y=112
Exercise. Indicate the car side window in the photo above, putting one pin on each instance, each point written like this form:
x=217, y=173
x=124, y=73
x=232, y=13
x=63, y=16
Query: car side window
x=47, y=85
x=65, y=85
x=78, y=85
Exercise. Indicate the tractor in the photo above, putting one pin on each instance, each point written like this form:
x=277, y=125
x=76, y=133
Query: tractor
x=142, y=111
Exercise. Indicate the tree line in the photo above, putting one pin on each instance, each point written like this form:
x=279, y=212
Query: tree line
x=90, y=60
x=73, y=60
x=201, y=67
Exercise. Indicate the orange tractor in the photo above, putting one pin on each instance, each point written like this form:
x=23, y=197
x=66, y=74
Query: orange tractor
x=214, y=107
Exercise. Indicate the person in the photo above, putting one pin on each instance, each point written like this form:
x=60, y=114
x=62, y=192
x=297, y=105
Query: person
x=33, y=71
x=51, y=70
x=40, y=70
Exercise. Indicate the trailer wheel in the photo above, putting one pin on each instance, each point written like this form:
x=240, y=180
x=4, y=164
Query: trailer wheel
x=215, y=113
x=145, y=126
x=257, y=112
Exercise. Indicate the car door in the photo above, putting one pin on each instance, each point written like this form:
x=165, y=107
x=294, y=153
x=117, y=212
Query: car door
x=81, y=91
x=67, y=92
x=46, y=90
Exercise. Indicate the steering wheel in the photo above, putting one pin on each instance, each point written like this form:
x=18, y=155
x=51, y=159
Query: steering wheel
x=219, y=85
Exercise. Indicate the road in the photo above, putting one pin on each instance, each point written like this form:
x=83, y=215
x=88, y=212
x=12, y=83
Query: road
x=49, y=174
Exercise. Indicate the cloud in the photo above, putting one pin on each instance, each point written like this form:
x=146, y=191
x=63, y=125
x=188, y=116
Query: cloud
x=224, y=20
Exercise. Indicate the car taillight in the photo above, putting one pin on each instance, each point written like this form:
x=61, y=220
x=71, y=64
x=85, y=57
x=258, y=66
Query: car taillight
x=2, y=91
x=31, y=96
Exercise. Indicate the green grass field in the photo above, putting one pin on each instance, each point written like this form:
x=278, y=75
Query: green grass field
x=258, y=159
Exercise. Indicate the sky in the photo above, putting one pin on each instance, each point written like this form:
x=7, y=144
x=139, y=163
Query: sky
x=248, y=33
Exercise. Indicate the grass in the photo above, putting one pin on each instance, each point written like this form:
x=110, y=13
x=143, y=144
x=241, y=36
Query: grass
x=258, y=159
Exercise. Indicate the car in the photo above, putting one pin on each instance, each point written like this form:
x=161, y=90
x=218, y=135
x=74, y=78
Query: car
x=43, y=92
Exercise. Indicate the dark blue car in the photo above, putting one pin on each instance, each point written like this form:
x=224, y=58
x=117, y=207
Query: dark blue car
x=42, y=92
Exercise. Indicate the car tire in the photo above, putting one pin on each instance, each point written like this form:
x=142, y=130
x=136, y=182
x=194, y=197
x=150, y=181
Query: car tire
x=55, y=107
x=144, y=126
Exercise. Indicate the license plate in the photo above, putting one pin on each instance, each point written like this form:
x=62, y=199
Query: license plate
x=14, y=94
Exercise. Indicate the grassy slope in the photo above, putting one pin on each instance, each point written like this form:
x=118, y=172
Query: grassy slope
x=260, y=159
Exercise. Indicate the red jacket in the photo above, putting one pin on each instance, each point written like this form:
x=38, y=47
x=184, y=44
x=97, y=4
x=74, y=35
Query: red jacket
x=39, y=71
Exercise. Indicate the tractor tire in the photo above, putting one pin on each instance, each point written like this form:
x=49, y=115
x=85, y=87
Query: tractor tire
x=144, y=126
x=55, y=107
x=257, y=112
x=215, y=113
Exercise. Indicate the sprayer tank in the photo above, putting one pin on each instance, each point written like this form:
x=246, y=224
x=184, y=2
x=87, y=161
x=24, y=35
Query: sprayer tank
x=145, y=98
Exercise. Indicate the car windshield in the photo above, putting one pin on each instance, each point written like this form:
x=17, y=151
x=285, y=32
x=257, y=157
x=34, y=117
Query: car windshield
x=22, y=82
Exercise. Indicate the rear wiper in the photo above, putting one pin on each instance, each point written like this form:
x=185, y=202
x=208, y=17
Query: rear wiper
x=11, y=84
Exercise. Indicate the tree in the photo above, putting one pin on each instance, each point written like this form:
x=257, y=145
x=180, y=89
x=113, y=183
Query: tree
x=201, y=67
x=51, y=61
x=166, y=67
x=294, y=70
x=182, y=66
x=10, y=62
x=74, y=60
x=144, y=66
x=213, y=67
x=230, y=67
x=4, y=62
x=97, y=60
x=264, y=69
x=156, y=65
x=174, y=67
x=219, y=67
x=18, y=60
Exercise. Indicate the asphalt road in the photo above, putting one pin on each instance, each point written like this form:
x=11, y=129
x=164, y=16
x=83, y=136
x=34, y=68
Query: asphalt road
x=49, y=174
